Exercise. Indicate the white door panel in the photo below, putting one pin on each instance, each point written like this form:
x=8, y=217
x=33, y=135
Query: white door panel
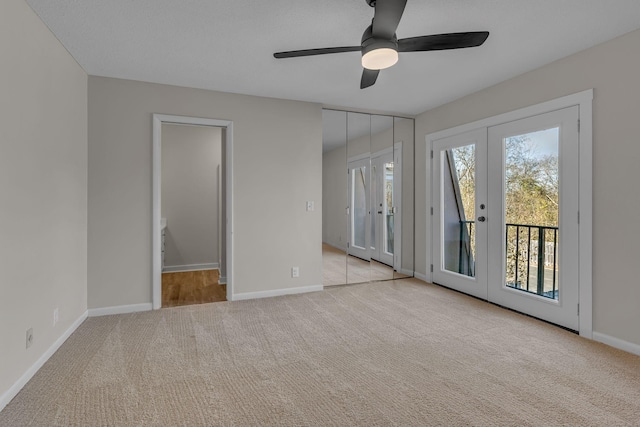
x=505, y=215
x=460, y=252
x=359, y=209
x=382, y=168
x=533, y=268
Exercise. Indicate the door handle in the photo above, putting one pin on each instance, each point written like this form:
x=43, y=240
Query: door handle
x=482, y=219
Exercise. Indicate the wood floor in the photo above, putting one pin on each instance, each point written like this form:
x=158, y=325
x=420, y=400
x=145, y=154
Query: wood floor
x=339, y=269
x=192, y=287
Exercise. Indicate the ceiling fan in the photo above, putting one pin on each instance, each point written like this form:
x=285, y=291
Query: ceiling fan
x=380, y=46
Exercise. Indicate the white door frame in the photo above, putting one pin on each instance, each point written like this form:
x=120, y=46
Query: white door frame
x=584, y=101
x=158, y=121
x=377, y=176
x=397, y=206
x=357, y=251
x=476, y=285
x=561, y=310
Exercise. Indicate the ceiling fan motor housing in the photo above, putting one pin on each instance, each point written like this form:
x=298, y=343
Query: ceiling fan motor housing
x=370, y=43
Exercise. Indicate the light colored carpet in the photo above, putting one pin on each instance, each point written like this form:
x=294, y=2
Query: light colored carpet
x=389, y=353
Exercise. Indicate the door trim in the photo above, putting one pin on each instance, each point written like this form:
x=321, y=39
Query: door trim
x=475, y=285
x=397, y=222
x=158, y=120
x=352, y=248
x=584, y=101
x=377, y=160
x=563, y=309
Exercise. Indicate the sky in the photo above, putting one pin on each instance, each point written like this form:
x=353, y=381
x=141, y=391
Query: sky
x=545, y=142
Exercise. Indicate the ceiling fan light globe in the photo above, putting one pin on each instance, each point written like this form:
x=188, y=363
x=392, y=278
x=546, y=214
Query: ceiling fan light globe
x=379, y=59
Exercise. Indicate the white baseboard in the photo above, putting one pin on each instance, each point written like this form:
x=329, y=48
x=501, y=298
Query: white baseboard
x=406, y=271
x=120, y=309
x=421, y=276
x=617, y=343
x=276, y=292
x=222, y=280
x=190, y=267
x=24, y=379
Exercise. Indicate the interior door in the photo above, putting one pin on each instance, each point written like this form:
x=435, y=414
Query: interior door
x=382, y=208
x=533, y=220
x=359, y=209
x=460, y=196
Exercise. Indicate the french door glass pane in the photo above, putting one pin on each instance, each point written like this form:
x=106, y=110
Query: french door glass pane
x=359, y=207
x=388, y=207
x=459, y=199
x=532, y=209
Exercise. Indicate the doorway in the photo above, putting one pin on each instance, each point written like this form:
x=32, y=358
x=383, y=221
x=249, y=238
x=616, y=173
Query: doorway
x=192, y=208
x=505, y=214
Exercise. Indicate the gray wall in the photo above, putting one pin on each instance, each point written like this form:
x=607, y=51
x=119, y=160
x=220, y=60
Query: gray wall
x=334, y=198
x=612, y=69
x=43, y=189
x=277, y=167
x=403, y=131
x=191, y=156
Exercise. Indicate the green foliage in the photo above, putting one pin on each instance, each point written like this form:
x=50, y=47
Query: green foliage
x=465, y=163
x=531, y=192
x=531, y=184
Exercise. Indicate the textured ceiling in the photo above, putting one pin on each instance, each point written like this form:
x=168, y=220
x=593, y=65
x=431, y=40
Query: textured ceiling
x=227, y=45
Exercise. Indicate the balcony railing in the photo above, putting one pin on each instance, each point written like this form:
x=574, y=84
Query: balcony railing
x=531, y=257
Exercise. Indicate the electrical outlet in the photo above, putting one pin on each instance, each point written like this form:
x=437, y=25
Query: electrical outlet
x=295, y=271
x=29, y=337
x=56, y=313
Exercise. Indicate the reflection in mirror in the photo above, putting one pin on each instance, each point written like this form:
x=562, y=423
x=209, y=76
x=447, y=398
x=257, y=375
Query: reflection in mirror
x=334, y=197
x=367, y=221
x=403, y=181
x=382, y=193
x=359, y=197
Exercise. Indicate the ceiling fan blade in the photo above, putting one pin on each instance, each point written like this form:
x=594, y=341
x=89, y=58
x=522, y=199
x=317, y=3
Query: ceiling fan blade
x=387, y=17
x=369, y=78
x=311, y=52
x=442, y=41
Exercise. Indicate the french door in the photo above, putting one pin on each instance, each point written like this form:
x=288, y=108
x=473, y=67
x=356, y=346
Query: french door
x=382, y=208
x=359, y=207
x=460, y=191
x=506, y=215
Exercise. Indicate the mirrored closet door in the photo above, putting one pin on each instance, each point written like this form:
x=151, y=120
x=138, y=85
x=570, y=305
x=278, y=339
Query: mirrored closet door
x=367, y=197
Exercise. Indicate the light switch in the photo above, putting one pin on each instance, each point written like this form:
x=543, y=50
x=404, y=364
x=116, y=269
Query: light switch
x=310, y=206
